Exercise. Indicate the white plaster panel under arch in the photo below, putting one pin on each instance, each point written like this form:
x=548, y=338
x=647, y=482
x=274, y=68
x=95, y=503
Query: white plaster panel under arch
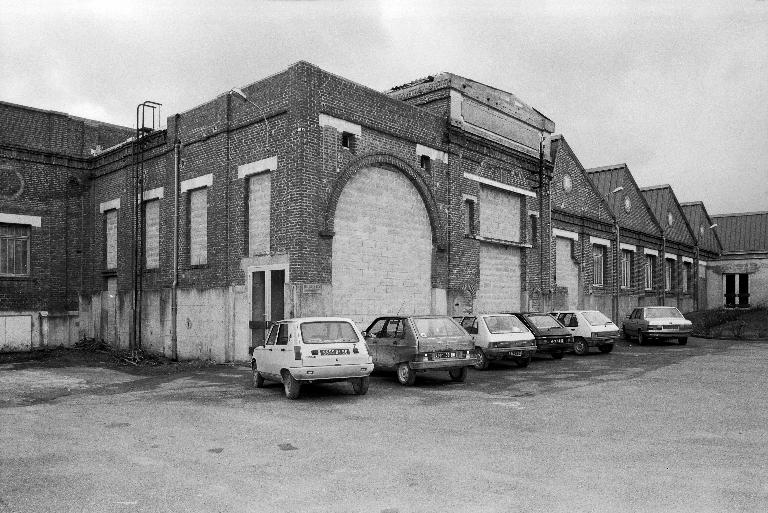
x=382, y=248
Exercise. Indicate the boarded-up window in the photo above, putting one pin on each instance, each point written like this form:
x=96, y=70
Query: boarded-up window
x=499, y=214
x=259, y=196
x=14, y=249
x=152, y=234
x=111, y=242
x=198, y=227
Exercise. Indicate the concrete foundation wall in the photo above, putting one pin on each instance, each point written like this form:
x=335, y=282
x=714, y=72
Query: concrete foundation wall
x=29, y=330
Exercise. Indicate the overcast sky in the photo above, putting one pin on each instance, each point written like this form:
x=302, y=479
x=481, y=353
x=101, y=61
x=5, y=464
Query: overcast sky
x=676, y=89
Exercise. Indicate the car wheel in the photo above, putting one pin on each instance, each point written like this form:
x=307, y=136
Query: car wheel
x=482, y=360
x=459, y=375
x=258, y=379
x=291, y=385
x=682, y=340
x=524, y=361
x=557, y=355
x=580, y=346
x=360, y=385
x=640, y=338
x=405, y=375
x=606, y=348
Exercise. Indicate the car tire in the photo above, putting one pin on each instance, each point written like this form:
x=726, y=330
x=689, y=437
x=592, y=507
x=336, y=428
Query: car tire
x=640, y=338
x=360, y=385
x=524, y=361
x=459, y=375
x=557, y=355
x=291, y=385
x=682, y=341
x=405, y=375
x=580, y=346
x=258, y=379
x=482, y=361
x=606, y=348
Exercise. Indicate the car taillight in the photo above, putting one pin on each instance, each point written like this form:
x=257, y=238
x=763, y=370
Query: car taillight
x=297, y=352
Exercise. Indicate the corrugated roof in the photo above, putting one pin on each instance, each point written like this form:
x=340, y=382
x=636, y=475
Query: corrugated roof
x=666, y=208
x=700, y=222
x=747, y=232
x=607, y=179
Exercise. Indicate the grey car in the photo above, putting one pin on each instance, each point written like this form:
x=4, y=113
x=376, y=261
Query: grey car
x=657, y=323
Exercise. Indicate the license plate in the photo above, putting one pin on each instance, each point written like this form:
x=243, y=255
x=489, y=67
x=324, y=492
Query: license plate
x=517, y=353
x=445, y=355
x=332, y=352
x=556, y=341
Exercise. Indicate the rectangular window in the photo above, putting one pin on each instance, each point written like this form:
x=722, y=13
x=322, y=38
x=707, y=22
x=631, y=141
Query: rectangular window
x=111, y=238
x=534, y=229
x=598, y=265
x=736, y=290
x=14, y=249
x=426, y=163
x=626, y=269
x=686, y=277
x=650, y=266
x=198, y=227
x=348, y=141
x=152, y=234
x=669, y=275
x=469, y=217
x=259, y=200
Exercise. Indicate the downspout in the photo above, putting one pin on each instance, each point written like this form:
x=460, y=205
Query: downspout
x=617, y=274
x=175, y=283
x=541, y=210
x=664, y=267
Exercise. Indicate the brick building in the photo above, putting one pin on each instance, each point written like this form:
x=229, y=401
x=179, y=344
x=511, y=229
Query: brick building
x=308, y=194
x=707, y=248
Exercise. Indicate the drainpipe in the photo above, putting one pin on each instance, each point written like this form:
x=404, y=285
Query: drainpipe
x=663, y=267
x=175, y=284
x=617, y=274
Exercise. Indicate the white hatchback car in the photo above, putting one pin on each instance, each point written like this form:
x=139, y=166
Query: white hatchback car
x=590, y=328
x=312, y=349
x=499, y=337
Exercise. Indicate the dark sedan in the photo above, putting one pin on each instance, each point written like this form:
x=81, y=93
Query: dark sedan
x=551, y=336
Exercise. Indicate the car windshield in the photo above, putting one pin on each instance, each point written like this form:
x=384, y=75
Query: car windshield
x=438, y=327
x=328, y=332
x=504, y=324
x=658, y=313
x=596, y=318
x=543, y=321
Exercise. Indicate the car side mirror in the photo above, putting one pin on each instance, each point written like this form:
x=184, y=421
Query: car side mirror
x=364, y=333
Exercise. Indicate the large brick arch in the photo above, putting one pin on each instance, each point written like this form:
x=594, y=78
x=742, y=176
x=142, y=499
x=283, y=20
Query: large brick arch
x=392, y=162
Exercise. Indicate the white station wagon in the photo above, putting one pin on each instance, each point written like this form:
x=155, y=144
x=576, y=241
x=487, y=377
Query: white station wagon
x=310, y=350
x=590, y=328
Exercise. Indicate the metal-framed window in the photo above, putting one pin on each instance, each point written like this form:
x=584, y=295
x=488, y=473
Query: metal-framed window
x=598, y=265
x=14, y=249
x=650, y=265
x=626, y=269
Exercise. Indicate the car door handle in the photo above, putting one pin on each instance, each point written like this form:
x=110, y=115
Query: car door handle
x=282, y=349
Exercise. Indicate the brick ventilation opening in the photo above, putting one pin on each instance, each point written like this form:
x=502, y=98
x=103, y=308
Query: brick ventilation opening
x=349, y=141
x=426, y=163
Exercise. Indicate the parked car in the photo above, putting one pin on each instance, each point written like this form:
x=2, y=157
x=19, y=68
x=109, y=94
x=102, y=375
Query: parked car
x=499, y=337
x=414, y=344
x=551, y=336
x=590, y=328
x=657, y=323
x=310, y=350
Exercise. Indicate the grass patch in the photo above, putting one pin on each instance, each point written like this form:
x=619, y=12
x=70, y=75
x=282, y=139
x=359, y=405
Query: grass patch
x=730, y=323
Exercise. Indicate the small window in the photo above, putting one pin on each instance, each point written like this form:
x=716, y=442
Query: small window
x=111, y=238
x=348, y=141
x=198, y=227
x=14, y=250
x=426, y=163
x=686, y=277
x=534, y=229
x=469, y=217
x=152, y=234
x=669, y=275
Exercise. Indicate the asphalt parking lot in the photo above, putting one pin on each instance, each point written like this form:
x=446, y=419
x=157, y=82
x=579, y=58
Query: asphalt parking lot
x=646, y=428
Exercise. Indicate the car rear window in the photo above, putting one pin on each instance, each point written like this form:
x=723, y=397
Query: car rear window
x=438, y=327
x=504, y=324
x=656, y=313
x=596, y=318
x=328, y=332
x=543, y=321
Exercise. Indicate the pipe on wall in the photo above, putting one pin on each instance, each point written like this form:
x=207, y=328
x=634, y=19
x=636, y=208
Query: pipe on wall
x=175, y=283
